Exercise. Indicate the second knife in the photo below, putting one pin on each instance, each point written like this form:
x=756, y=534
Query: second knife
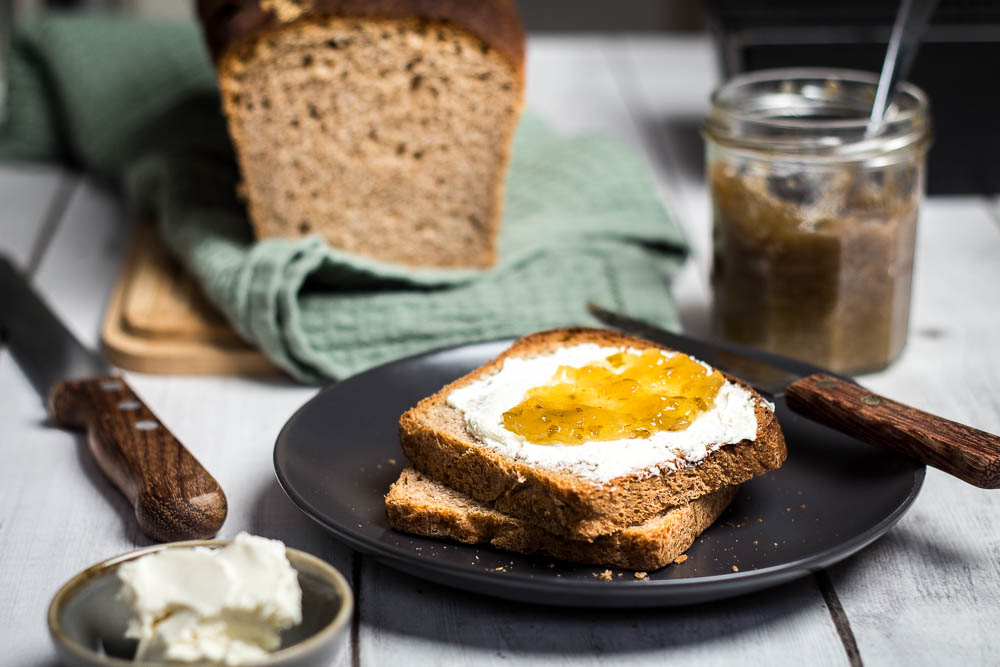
x=965, y=452
x=174, y=497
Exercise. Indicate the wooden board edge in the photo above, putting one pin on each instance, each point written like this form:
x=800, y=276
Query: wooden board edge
x=165, y=357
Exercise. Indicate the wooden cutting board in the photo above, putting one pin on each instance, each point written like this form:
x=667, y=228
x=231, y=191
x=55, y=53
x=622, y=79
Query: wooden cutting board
x=158, y=320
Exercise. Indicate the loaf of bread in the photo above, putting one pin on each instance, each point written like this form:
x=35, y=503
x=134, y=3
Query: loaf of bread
x=419, y=505
x=384, y=126
x=435, y=437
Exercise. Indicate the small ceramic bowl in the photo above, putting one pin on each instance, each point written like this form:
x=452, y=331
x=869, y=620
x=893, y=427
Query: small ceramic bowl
x=87, y=621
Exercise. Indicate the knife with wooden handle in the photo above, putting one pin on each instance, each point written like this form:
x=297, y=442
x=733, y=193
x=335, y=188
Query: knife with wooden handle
x=965, y=452
x=174, y=497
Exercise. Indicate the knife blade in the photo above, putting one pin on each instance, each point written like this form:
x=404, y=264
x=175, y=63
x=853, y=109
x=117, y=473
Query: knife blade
x=812, y=392
x=174, y=497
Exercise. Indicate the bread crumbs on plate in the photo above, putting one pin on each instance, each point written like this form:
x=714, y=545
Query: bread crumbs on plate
x=605, y=576
x=680, y=559
x=641, y=575
x=735, y=569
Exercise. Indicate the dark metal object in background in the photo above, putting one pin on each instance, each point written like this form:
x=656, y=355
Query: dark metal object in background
x=600, y=15
x=564, y=16
x=955, y=67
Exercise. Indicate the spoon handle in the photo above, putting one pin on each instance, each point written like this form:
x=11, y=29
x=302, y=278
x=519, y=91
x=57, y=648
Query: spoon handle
x=911, y=21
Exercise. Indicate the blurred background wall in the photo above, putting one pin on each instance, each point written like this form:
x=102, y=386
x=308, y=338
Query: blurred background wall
x=538, y=15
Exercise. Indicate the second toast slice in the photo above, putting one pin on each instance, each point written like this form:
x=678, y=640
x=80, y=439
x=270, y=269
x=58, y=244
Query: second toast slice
x=419, y=505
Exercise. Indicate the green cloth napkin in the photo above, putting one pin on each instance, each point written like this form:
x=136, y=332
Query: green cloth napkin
x=136, y=103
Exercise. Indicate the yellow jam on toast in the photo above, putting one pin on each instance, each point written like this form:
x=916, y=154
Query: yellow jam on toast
x=626, y=395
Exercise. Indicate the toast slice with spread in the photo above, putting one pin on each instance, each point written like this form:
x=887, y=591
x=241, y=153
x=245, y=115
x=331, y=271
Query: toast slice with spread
x=436, y=438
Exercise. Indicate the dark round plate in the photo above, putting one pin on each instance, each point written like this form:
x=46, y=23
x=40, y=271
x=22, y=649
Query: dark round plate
x=338, y=454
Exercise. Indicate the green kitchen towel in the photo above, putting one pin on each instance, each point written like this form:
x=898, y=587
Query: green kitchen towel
x=136, y=103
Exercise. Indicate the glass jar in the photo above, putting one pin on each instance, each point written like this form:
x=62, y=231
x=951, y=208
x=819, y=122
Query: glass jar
x=814, y=214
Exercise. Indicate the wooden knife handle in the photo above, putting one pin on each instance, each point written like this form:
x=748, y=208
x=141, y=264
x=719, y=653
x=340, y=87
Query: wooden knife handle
x=174, y=497
x=967, y=453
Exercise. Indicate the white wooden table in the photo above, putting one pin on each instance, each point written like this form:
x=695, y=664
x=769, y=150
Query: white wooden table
x=927, y=593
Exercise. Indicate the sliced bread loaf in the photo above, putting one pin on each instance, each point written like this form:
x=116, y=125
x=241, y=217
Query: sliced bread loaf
x=419, y=505
x=384, y=126
x=435, y=437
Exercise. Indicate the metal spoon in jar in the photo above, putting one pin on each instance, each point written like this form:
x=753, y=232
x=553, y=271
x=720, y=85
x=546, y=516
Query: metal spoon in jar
x=911, y=21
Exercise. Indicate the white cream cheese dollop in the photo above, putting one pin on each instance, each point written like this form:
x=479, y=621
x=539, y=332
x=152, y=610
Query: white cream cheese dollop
x=483, y=402
x=225, y=605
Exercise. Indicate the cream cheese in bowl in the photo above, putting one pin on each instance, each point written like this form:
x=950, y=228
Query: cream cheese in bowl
x=226, y=605
x=210, y=601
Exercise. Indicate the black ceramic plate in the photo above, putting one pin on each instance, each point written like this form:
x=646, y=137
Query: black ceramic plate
x=337, y=456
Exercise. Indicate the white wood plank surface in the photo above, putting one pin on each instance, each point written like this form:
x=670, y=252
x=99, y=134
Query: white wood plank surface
x=570, y=84
x=58, y=513
x=667, y=83
x=82, y=260
x=28, y=195
x=413, y=622
x=929, y=592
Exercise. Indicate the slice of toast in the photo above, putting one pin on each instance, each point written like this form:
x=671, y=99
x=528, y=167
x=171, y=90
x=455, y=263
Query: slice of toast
x=435, y=438
x=417, y=504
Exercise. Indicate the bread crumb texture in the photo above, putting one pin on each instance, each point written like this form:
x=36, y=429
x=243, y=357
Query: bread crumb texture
x=387, y=137
x=285, y=10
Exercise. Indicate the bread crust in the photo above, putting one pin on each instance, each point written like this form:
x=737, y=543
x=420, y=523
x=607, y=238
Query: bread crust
x=416, y=504
x=434, y=437
x=496, y=22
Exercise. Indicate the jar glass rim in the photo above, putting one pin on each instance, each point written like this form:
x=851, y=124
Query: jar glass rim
x=818, y=111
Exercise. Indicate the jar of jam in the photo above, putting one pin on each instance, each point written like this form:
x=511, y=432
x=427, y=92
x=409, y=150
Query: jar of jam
x=814, y=214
